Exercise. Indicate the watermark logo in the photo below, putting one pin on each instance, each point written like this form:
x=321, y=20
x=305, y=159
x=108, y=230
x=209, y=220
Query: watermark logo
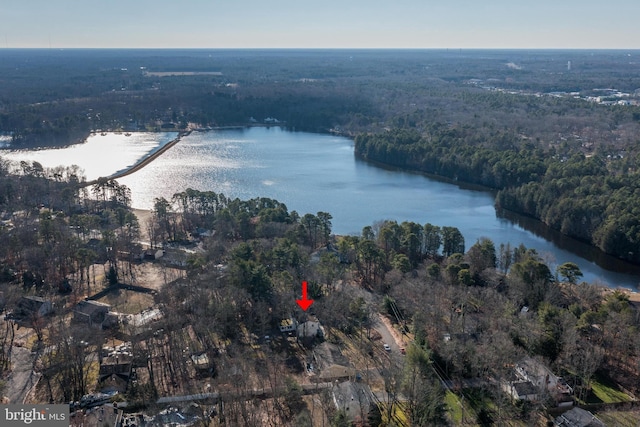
x=34, y=415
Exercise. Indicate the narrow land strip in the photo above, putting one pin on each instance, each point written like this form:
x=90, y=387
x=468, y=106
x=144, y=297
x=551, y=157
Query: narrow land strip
x=144, y=162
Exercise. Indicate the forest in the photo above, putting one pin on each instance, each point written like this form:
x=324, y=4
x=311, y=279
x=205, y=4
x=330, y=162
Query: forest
x=588, y=197
x=556, y=145
x=467, y=312
x=560, y=145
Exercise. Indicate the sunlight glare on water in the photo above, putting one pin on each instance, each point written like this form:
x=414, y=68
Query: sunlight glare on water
x=310, y=173
x=100, y=155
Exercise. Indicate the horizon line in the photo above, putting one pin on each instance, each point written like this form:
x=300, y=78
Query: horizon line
x=321, y=48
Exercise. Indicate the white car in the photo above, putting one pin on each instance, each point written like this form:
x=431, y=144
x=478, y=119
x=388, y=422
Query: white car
x=386, y=347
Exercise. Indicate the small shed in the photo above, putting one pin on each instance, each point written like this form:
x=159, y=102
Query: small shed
x=578, y=417
x=152, y=254
x=288, y=325
x=203, y=364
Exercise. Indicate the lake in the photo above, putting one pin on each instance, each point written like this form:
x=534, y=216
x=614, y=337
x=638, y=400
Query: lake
x=314, y=172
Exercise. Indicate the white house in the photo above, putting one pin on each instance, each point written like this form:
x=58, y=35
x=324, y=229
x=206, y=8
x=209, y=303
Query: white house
x=539, y=375
x=521, y=390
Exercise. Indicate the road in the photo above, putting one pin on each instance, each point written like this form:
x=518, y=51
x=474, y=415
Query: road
x=22, y=377
x=389, y=335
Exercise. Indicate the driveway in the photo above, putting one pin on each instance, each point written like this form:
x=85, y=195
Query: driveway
x=22, y=377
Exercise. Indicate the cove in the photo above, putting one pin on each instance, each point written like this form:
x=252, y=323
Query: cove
x=316, y=172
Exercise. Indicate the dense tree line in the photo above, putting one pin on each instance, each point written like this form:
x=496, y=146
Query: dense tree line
x=58, y=97
x=589, y=197
x=570, y=163
x=66, y=217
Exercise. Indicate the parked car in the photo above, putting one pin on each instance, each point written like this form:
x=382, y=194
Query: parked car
x=386, y=347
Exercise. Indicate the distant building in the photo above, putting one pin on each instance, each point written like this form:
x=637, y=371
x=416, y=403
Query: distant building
x=91, y=313
x=31, y=306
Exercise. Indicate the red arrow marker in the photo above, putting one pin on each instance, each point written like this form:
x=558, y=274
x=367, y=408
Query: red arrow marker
x=304, y=303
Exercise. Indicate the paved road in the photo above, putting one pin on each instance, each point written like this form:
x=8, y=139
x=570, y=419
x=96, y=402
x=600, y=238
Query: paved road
x=389, y=336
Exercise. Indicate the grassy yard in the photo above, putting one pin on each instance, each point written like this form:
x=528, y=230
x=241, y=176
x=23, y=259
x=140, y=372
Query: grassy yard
x=603, y=390
x=476, y=408
x=620, y=418
x=128, y=302
x=454, y=407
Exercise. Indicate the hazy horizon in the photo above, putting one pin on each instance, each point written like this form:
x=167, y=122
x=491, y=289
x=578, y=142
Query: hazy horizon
x=285, y=24
x=408, y=49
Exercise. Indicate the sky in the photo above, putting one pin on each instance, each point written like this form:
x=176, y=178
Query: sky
x=562, y=24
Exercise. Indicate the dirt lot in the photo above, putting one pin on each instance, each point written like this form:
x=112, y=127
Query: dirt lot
x=154, y=276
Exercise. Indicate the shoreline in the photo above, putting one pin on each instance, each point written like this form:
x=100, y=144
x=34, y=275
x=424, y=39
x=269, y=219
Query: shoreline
x=161, y=150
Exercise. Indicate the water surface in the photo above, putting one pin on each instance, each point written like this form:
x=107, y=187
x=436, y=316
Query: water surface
x=100, y=155
x=311, y=173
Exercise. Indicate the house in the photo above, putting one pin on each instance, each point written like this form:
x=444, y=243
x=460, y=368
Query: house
x=540, y=376
x=355, y=399
x=521, y=390
x=577, y=417
x=310, y=329
x=91, y=313
x=30, y=307
x=532, y=380
x=116, y=367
